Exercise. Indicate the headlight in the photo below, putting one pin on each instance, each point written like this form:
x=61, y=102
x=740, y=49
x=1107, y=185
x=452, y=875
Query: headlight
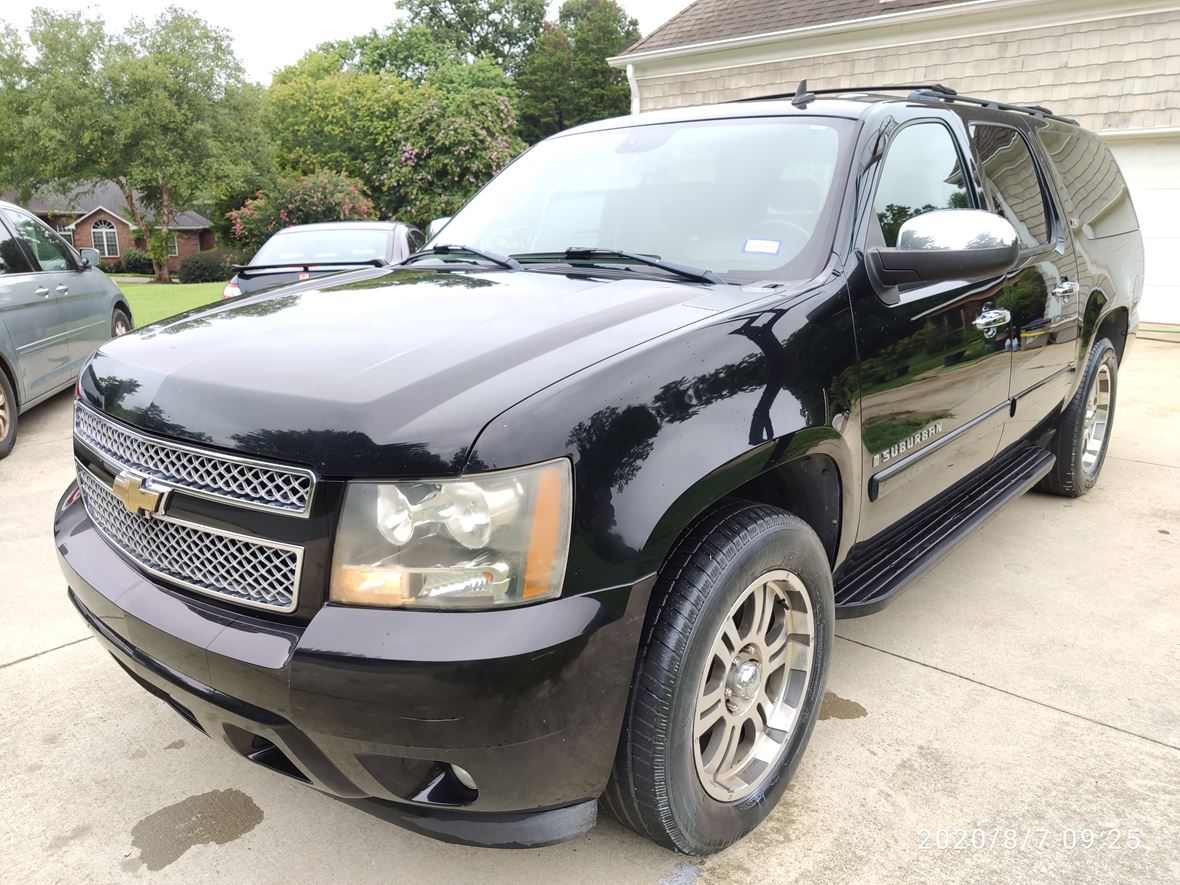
x=485, y=541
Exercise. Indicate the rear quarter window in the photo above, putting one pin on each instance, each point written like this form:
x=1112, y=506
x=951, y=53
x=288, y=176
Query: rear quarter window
x=1097, y=200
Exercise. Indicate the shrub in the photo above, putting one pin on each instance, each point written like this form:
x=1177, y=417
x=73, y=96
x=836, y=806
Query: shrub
x=322, y=196
x=109, y=265
x=206, y=267
x=138, y=261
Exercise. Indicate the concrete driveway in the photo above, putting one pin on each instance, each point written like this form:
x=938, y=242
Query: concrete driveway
x=1014, y=716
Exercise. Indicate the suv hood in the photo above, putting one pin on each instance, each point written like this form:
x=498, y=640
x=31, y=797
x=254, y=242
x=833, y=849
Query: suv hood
x=394, y=374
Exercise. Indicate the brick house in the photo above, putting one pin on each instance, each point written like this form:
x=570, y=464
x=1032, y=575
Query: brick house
x=97, y=218
x=1112, y=64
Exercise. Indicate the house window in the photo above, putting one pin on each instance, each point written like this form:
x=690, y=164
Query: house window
x=105, y=238
x=173, y=246
x=66, y=233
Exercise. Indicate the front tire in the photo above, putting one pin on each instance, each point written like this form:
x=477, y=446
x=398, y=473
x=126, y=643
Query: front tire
x=728, y=682
x=8, y=415
x=1083, y=432
x=120, y=323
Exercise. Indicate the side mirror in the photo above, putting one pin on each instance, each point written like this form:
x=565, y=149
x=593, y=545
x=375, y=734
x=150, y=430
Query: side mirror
x=90, y=257
x=435, y=226
x=948, y=244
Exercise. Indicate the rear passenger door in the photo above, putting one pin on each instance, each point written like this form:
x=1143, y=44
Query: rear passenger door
x=1041, y=293
x=934, y=384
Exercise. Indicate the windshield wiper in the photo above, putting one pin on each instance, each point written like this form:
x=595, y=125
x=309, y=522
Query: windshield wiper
x=451, y=249
x=305, y=265
x=589, y=253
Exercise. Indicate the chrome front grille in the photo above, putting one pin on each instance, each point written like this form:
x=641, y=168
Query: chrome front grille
x=207, y=474
x=249, y=571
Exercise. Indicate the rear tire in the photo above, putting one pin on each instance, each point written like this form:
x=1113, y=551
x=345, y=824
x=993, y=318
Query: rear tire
x=726, y=690
x=8, y=415
x=1083, y=431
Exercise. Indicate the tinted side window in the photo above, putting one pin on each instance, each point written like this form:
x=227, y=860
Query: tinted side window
x=922, y=173
x=47, y=247
x=1010, y=178
x=11, y=254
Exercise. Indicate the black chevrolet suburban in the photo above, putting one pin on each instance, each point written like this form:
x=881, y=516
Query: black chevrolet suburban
x=561, y=510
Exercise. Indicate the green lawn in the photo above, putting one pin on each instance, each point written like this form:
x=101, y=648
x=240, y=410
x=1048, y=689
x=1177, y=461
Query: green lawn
x=154, y=301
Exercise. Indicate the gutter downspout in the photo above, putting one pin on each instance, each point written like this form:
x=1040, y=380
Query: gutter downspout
x=633, y=83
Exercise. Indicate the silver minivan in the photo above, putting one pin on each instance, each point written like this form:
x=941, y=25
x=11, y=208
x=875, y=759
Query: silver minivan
x=56, y=309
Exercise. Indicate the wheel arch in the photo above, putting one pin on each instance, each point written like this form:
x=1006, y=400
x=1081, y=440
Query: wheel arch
x=805, y=474
x=14, y=378
x=121, y=304
x=1103, y=318
x=1114, y=326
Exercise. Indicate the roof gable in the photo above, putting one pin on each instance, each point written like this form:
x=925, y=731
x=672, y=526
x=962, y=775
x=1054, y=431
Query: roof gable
x=85, y=200
x=706, y=21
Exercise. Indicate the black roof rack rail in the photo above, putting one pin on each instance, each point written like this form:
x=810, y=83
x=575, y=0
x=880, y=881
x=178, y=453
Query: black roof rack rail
x=896, y=87
x=917, y=92
x=1035, y=110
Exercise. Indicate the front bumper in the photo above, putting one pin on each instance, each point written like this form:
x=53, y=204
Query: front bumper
x=369, y=704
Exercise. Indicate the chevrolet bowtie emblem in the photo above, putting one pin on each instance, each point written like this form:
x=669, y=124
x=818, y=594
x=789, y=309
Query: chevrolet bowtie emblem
x=137, y=497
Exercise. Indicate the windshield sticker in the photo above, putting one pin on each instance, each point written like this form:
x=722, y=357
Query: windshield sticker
x=762, y=247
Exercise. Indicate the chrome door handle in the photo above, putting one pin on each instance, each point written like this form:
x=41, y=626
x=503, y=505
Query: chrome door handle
x=992, y=319
x=63, y=289
x=1065, y=289
x=43, y=291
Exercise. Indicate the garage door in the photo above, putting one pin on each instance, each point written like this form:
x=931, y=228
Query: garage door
x=1152, y=169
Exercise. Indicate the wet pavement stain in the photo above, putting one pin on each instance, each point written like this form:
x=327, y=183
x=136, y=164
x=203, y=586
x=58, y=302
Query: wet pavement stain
x=175, y=745
x=681, y=874
x=219, y=816
x=836, y=707
x=60, y=842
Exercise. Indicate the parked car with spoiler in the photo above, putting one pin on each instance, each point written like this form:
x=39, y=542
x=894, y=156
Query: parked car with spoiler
x=305, y=251
x=561, y=510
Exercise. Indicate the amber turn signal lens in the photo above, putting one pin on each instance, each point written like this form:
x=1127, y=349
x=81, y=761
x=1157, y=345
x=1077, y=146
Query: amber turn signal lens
x=545, y=534
x=359, y=585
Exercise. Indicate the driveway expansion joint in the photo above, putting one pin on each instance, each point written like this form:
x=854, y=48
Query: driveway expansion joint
x=47, y=651
x=1013, y=694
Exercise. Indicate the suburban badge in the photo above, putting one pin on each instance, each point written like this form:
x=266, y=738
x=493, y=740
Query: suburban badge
x=928, y=432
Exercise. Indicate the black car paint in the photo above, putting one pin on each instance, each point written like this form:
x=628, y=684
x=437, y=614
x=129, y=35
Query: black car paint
x=432, y=371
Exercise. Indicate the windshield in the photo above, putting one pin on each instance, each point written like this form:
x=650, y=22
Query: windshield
x=748, y=198
x=323, y=246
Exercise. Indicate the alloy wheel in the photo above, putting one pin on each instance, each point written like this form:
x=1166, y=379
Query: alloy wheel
x=1097, y=421
x=753, y=686
x=5, y=418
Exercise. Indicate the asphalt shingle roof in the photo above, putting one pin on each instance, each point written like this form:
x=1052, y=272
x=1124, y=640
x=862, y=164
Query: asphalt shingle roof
x=708, y=20
x=84, y=200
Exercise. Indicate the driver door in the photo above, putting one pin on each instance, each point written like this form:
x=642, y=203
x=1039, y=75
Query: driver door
x=934, y=383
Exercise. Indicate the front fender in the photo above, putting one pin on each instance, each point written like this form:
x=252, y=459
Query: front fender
x=660, y=432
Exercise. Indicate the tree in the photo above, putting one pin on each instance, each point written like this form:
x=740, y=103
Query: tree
x=407, y=50
x=565, y=79
x=452, y=141
x=162, y=110
x=419, y=148
x=308, y=199
x=502, y=30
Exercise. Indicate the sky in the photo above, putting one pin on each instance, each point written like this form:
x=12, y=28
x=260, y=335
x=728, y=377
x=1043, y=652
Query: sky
x=269, y=35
